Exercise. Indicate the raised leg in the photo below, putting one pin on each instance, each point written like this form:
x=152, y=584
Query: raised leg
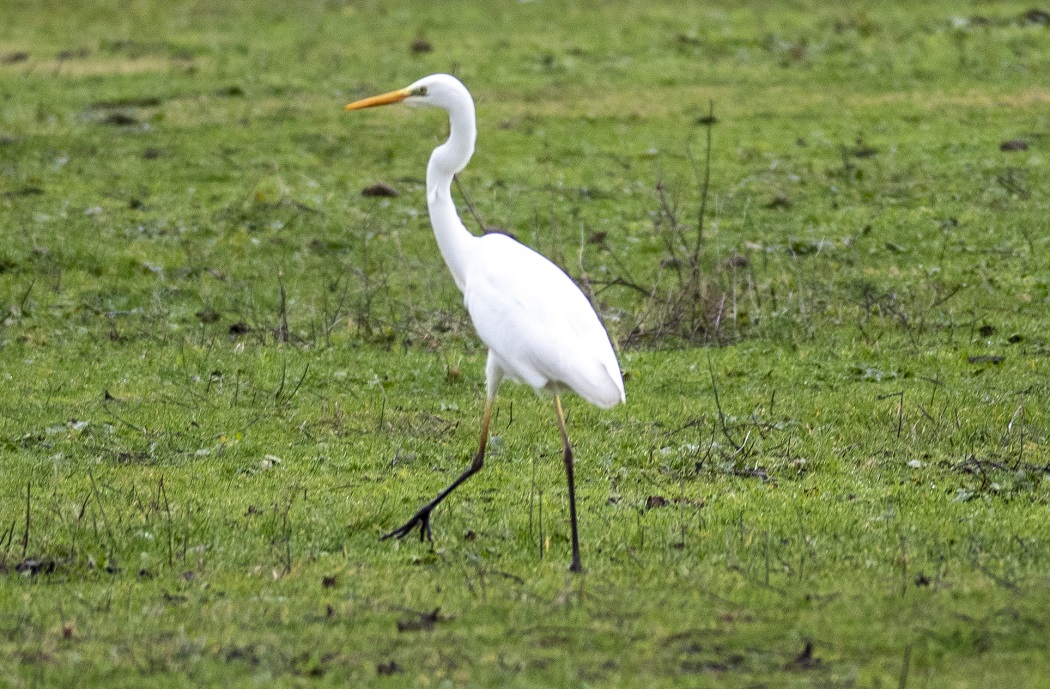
x=422, y=517
x=567, y=458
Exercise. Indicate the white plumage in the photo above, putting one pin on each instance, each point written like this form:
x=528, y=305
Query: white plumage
x=539, y=327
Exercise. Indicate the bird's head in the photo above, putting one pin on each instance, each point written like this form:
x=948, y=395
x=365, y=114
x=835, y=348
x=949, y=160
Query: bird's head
x=438, y=90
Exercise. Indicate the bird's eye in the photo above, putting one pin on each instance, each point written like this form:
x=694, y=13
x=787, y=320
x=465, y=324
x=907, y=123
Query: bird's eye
x=420, y=91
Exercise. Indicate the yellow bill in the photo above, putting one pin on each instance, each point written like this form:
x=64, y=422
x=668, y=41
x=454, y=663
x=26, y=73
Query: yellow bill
x=384, y=99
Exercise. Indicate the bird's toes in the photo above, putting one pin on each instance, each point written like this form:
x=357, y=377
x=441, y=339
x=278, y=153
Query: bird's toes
x=422, y=520
x=399, y=532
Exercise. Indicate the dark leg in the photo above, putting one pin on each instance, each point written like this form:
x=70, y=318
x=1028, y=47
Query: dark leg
x=422, y=517
x=567, y=458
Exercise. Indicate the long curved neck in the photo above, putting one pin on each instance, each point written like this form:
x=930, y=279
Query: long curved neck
x=449, y=158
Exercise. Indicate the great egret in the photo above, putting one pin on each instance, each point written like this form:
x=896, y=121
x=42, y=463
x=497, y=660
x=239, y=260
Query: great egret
x=539, y=327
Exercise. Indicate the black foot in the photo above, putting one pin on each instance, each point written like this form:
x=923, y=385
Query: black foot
x=576, y=566
x=420, y=519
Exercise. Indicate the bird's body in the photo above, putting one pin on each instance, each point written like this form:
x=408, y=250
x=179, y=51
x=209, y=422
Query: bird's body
x=539, y=327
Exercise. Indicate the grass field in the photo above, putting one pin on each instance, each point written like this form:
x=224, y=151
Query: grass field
x=228, y=372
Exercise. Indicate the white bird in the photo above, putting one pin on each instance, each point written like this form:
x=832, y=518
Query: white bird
x=539, y=327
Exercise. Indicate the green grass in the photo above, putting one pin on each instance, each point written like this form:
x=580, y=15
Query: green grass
x=228, y=373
